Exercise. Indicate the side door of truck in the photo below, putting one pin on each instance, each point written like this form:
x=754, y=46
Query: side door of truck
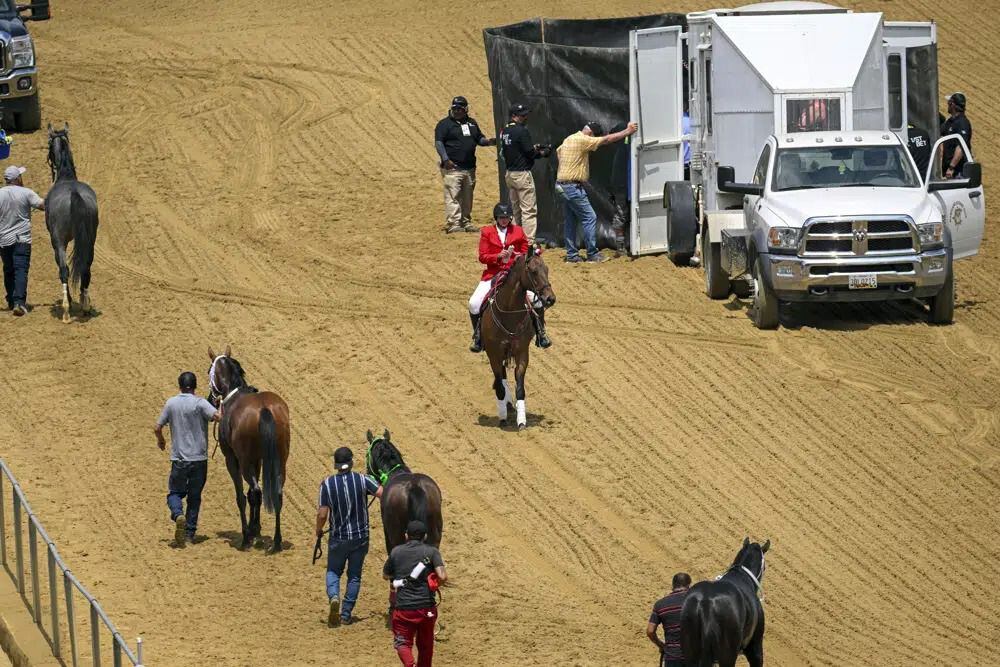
x=963, y=210
x=657, y=152
x=912, y=76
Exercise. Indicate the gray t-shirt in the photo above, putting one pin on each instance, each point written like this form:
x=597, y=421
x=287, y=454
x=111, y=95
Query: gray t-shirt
x=188, y=416
x=16, y=203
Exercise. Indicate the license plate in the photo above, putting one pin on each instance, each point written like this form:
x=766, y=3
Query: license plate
x=862, y=281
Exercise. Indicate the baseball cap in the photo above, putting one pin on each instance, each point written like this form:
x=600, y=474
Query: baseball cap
x=519, y=110
x=13, y=173
x=343, y=458
x=596, y=128
x=416, y=527
x=459, y=101
x=958, y=99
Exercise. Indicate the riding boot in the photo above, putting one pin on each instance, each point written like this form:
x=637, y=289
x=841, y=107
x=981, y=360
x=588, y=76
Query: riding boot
x=541, y=340
x=477, y=344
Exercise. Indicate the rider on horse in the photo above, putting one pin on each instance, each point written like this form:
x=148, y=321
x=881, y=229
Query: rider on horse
x=500, y=245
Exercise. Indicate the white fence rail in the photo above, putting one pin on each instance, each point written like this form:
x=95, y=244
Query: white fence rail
x=27, y=575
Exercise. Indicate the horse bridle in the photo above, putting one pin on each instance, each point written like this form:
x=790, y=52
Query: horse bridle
x=58, y=134
x=527, y=311
x=383, y=476
x=759, y=577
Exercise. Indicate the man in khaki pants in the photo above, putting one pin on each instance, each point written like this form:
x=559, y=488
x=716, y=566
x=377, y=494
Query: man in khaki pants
x=519, y=154
x=456, y=138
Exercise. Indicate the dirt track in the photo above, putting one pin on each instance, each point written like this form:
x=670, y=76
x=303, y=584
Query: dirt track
x=268, y=180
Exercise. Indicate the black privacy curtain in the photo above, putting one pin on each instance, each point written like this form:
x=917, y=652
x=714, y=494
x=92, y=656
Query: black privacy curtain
x=568, y=72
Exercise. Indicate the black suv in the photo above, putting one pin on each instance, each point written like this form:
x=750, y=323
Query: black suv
x=18, y=74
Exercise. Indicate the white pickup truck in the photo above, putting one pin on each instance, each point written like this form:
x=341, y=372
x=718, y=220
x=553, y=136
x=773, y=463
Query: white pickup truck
x=845, y=216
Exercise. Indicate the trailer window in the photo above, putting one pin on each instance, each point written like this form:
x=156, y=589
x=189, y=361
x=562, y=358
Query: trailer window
x=708, y=94
x=813, y=115
x=895, y=92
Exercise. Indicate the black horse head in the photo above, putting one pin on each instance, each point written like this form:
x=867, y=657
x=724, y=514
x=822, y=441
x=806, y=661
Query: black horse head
x=750, y=559
x=60, y=156
x=383, y=460
x=225, y=375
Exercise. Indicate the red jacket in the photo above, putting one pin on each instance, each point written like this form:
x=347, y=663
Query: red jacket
x=490, y=248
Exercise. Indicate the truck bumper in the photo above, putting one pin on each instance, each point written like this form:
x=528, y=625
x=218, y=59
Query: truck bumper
x=815, y=279
x=18, y=83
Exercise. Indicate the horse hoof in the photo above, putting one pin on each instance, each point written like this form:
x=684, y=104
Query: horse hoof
x=65, y=318
x=521, y=427
x=503, y=423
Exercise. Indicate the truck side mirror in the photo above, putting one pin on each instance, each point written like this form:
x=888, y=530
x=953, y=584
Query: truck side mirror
x=725, y=178
x=972, y=177
x=39, y=11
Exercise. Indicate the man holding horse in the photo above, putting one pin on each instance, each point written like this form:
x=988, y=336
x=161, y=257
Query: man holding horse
x=416, y=570
x=342, y=503
x=667, y=612
x=188, y=416
x=499, y=246
x=16, y=202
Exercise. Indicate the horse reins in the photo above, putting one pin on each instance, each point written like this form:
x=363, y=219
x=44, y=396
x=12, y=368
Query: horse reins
x=528, y=311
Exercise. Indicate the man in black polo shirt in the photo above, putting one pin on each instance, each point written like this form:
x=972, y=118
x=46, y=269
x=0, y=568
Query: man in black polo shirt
x=415, y=611
x=667, y=612
x=455, y=140
x=953, y=157
x=919, y=144
x=519, y=155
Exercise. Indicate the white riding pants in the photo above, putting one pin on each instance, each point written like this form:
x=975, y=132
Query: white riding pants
x=483, y=288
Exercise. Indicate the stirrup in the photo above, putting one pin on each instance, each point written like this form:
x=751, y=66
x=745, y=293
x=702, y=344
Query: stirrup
x=476, y=346
x=542, y=341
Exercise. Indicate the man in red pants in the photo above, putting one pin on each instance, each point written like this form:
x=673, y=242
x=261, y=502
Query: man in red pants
x=409, y=567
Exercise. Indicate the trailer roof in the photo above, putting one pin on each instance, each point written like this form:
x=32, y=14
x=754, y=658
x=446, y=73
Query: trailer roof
x=803, y=51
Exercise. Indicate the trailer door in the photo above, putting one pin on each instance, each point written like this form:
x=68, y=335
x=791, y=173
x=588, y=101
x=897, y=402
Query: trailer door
x=657, y=155
x=913, y=77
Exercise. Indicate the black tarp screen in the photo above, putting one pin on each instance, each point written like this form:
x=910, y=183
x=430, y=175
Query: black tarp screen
x=568, y=72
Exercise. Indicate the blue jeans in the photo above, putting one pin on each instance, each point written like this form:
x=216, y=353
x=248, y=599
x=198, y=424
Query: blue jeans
x=16, y=261
x=577, y=209
x=352, y=553
x=187, y=478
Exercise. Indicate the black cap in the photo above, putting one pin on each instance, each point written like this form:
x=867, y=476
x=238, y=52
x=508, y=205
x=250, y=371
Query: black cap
x=187, y=380
x=416, y=529
x=959, y=100
x=519, y=110
x=343, y=457
x=596, y=128
x=502, y=210
x=459, y=101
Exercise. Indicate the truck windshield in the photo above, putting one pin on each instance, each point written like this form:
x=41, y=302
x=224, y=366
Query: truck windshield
x=843, y=167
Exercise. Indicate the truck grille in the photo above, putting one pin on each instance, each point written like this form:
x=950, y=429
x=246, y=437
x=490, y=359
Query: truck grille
x=853, y=238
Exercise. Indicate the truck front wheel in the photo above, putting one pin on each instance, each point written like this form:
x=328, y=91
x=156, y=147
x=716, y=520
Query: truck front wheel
x=942, y=304
x=716, y=280
x=30, y=117
x=764, y=310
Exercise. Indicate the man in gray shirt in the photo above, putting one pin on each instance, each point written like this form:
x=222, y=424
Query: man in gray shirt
x=188, y=416
x=16, y=202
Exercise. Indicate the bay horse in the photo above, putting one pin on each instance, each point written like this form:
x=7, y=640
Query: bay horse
x=506, y=328
x=723, y=618
x=70, y=215
x=254, y=433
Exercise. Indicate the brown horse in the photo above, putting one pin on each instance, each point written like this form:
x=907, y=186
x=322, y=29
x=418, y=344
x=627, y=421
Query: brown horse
x=254, y=432
x=507, y=330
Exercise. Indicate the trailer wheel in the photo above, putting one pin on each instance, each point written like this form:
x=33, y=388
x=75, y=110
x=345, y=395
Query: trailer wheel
x=716, y=280
x=682, y=223
x=942, y=304
x=764, y=310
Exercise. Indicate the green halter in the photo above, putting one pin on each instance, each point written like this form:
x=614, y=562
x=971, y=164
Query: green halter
x=383, y=477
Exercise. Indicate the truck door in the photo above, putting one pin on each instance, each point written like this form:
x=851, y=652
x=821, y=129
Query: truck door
x=913, y=76
x=657, y=155
x=964, y=211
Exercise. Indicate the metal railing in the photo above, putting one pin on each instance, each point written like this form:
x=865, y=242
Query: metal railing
x=56, y=569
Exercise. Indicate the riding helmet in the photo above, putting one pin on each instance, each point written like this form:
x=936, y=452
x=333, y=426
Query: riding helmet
x=502, y=210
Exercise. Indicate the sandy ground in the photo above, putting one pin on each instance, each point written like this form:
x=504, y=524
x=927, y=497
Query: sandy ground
x=267, y=179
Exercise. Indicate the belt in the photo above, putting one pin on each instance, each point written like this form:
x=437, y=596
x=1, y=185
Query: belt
x=580, y=183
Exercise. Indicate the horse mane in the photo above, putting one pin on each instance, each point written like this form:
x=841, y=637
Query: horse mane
x=241, y=381
x=66, y=166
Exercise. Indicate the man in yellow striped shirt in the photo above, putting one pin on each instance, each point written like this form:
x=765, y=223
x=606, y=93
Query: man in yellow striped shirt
x=574, y=172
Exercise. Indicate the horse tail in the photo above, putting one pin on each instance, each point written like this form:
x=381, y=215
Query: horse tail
x=417, y=502
x=272, y=472
x=83, y=220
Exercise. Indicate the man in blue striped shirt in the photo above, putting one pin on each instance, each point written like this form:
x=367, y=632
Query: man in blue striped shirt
x=343, y=503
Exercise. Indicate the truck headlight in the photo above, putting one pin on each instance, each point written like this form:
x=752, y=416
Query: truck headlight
x=22, y=52
x=783, y=238
x=931, y=235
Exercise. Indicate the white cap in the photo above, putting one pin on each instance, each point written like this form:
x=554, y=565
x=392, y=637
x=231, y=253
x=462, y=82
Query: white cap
x=13, y=173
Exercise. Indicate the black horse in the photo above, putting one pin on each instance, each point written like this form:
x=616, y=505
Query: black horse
x=70, y=215
x=723, y=618
x=406, y=495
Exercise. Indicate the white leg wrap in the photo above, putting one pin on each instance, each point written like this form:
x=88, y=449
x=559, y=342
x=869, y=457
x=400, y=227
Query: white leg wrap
x=522, y=418
x=502, y=410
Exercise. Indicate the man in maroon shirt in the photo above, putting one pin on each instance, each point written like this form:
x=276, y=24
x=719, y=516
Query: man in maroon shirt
x=667, y=612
